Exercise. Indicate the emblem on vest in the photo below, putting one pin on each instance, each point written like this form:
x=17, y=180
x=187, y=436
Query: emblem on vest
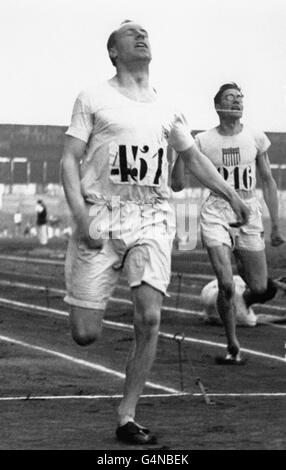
x=231, y=156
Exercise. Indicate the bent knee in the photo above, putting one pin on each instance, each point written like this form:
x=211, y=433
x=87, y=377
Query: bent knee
x=84, y=338
x=258, y=290
x=86, y=325
x=262, y=292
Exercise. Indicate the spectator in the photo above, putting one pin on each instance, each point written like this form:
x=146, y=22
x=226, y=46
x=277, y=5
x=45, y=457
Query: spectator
x=41, y=222
x=17, y=222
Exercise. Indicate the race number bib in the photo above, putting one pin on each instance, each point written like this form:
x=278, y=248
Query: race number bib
x=239, y=177
x=131, y=164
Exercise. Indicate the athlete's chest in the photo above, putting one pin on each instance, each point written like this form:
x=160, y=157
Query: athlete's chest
x=231, y=152
x=235, y=159
x=131, y=143
x=137, y=120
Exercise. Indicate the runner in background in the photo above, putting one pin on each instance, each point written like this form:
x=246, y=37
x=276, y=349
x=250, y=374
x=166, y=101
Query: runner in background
x=238, y=152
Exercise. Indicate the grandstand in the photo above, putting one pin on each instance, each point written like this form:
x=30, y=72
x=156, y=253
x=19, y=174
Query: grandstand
x=30, y=154
x=30, y=166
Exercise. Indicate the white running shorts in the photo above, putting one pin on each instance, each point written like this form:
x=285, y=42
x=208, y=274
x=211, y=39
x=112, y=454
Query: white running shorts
x=140, y=243
x=216, y=214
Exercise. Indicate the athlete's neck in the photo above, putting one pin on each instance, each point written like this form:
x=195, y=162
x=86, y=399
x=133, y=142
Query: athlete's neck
x=135, y=85
x=229, y=126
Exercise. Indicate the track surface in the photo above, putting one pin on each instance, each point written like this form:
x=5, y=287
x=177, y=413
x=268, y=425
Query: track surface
x=57, y=395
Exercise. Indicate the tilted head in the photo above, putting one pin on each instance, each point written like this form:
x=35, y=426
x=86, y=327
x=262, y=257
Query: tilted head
x=229, y=100
x=129, y=43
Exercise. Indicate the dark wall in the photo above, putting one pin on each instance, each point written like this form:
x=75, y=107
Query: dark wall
x=31, y=141
x=42, y=146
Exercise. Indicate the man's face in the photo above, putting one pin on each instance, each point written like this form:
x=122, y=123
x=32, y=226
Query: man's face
x=231, y=103
x=132, y=44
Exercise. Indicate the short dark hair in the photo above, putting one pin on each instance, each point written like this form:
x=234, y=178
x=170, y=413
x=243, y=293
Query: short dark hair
x=112, y=39
x=224, y=87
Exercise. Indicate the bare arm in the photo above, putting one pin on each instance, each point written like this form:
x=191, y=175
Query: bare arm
x=178, y=175
x=73, y=151
x=269, y=189
x=197, y=163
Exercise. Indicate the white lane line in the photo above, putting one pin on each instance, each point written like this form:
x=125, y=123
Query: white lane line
x=278, y=326
x=155, y=395
x=25, y=259
x=33, y=260
x=29, y=275
x=88, y=397
x=128, y=302
x=205, y=342
x=112, y=299
x=247, y=395
x=271, y=308
x=198, y=299
x=221, y=345
x=37, y=308
x=81, y=362
x=130, y=328
x=62, y=262
x=24, y=285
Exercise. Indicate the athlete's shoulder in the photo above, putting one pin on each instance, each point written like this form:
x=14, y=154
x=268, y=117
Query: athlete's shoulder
x=94, y=93
x=88, y=100
x=260, y=138
x=207, y=134
x=256, y=132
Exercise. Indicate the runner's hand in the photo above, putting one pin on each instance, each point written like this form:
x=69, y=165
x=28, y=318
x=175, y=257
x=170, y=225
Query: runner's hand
x=92, y=243
x=83, y=227
x=276, y=237
x=241, y=210
x=179, y=134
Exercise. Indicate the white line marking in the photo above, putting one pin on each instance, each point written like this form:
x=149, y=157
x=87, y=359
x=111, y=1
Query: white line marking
x=278, y=326
x=112, y=299
x=61, y=263
x=274, y=394
x=81, y=362
x=87, y=397
x=272, y=308
x=130, y=327
x=249, y=351
x=57, y=262
x=126, y=301
x=24, y=285
x=29, y=275
x=25, y=259
x=37, y=308
x=155, y=395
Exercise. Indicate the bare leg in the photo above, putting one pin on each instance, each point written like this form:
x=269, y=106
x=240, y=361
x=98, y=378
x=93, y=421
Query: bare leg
x=86, y=325
x=220, y=257
x=147, y=308
x=259, y=288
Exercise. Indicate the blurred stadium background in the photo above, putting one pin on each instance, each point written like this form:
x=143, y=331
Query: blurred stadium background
x=29, y=169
